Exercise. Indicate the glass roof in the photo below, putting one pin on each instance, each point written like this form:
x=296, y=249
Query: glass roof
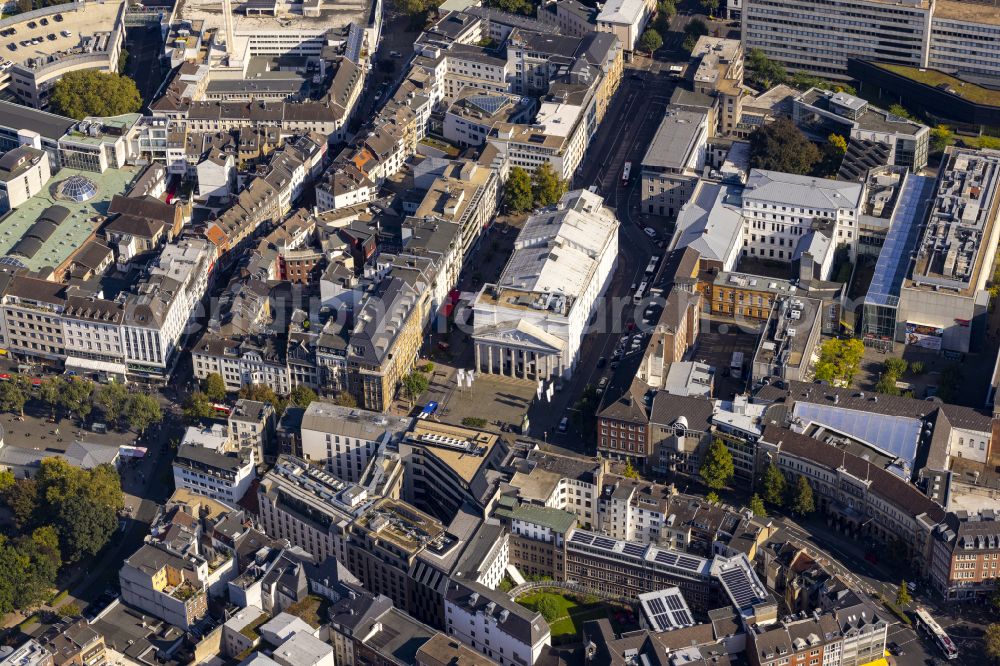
x=77, y=188
x=895, y=436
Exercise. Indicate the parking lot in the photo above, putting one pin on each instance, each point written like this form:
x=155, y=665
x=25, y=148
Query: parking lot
x=716, y=344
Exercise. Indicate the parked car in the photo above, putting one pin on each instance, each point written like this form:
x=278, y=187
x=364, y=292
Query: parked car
x=649, y=231
x=564, y=424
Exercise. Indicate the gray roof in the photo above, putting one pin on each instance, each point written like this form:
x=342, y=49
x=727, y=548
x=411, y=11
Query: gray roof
x=49, y=125
x=512, y=618
x=675, y=140
x=710, y=221
x=801, y=191
x=330, y=418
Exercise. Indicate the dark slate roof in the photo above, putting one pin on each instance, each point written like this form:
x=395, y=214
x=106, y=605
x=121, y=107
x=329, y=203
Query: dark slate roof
x=887, y=485
x=668, y=408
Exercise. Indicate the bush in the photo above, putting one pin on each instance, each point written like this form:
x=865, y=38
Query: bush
x=474, y=422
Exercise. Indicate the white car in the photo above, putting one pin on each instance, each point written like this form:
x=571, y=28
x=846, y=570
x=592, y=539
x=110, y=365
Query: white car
x=649, y=231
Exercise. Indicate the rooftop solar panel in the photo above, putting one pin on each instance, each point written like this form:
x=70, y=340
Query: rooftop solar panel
x=663, y=557
x=604, y=542
x=582, y=537
x=674, y=603
x=691, y=563
x=633, y=549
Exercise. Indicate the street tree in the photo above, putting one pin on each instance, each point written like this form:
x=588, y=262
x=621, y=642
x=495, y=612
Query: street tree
x=650, y=40
x=142, y=411
x=757, y=506
x=215, y=387
x=717, y=468
x=903, y=595
x=301, y=396
x=84, y=527
x=197, y=407
x=774, y=485
x=546, y=185
x=12, y=398
x=414, y=384
x=837, y=145
x=710, y=7
x=111, y=398
x=90, y=92
x=51, y=391
x=345, y=399
x=839, y=360
x=941, y=138
x=262, y=393
x=76, y=396
x=712, y=497
x=518, y=196
x=992, y=642
x=781, y=146
x=630, y=471
x=803, y=503
x=763, y=71
x=22, y=500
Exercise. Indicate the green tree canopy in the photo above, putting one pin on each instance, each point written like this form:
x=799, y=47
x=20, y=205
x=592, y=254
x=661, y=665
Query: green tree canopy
x=650, y=40
x=762, y=71
x=630, y=471
x=839, y=360
x=84, y=527
x=518, y=196
x=941, y=138
x=526, y=7
x=414, y=384
x=992, y=642
x=903, y=595
x=900, y=110
x=803, y=503
x=549, y=608
x=301, y=396
x=197, y=407
x=717, y=468
x=712, y=497
x=774, y=485
x=22, y=500
x=262, y=393
x=215, y=387
x=142, y=411
x=781, y=146
x=111, y=399
x=546, y=185
x=50, y=392
x=77, y=396
x=12, y=398
x=93, y=93
x=757, y=506
x=710, y=6
x=345, y=399
x=837, y=144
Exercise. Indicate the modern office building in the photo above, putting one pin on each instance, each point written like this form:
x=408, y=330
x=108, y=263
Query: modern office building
x=673, y=162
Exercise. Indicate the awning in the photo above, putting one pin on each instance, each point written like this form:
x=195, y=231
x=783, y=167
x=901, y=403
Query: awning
x=91, y=365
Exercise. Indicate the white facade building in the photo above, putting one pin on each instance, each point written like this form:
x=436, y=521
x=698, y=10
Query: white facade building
x=781, y=211
x=625, y=19
x=531, y=322
x=344, y=439
x=491, y=624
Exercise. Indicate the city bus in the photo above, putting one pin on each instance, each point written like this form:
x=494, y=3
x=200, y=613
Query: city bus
x=929, y=626
x=640, y=292
x=626, y=173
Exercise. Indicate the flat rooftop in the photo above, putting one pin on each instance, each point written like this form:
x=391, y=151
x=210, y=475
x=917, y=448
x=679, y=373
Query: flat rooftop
x=71, y=233
x=674, y=146
x=938, y=79
x=288, y=18
x=92, y=18
x=976, y=12
x=962, y=216
x=462, y=449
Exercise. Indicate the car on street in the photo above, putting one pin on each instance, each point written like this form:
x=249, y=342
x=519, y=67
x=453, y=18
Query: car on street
x=564, y=424
x=601, y=385
x=649, y=231
x=601, y=362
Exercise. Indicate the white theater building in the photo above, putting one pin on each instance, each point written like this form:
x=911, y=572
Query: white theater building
x=530, y=323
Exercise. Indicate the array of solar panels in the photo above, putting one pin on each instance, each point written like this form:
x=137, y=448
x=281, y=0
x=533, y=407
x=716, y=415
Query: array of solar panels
x=896, y=436
x=740, y=587
x=669, y=558
x=666, y=610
